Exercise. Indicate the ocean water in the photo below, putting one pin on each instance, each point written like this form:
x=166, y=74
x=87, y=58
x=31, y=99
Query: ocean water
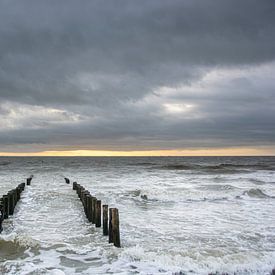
x=178, y=215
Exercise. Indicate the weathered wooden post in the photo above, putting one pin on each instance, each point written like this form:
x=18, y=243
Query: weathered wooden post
x=77, y=186
x=105, y=220
x=114, y=235
x=115, y=227
x=11, y=202
x=94, y=210
x=22, y=187
x=14, y=198
x=29, y=181
x=110, y=225
x=89, y=208
x=98, y=213
x=18, y=192
x=1, y=214
x=6, y=206
x=86, y=195
x=78, y=190
x=74, y=185
x=81, y=188
x=82, y=196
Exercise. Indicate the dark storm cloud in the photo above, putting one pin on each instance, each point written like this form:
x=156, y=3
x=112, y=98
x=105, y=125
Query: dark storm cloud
x=92, y=73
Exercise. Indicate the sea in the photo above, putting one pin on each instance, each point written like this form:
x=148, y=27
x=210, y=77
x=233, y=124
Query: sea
x=178, y=215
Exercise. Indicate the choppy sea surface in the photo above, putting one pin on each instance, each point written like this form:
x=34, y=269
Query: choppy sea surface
x=178, y=215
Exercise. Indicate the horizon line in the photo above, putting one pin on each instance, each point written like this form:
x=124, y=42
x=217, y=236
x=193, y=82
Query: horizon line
x=203, y=152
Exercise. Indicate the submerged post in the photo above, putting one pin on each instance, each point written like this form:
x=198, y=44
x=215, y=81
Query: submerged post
x=105, y=220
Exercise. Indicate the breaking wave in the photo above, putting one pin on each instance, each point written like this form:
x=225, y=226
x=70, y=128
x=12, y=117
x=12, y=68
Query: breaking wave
x=4, y=163
x=13, y=243
x=220, y=168
x=256, y=193
x=217, y=187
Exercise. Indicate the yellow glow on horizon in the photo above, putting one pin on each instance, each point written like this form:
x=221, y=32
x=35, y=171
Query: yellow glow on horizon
x=262, y=151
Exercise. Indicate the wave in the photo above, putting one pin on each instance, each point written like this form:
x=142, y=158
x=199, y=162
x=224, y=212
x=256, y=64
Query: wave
x=142, y=164
x=208, y=199
x=258, y=182
x=256, y=193
x=13, y=243
x=178, y=167
x=217, y=187
x=5, y=163
x=223, y=167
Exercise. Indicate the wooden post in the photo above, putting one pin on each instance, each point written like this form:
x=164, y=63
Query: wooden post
x=81, y=188
x=115, y=227
x=18, y=192
x=11, y=202
x=82, y=195
x=105, y=220
x=1, y=214
x=77, y=186
x=74, y=185
x=110, y=225
x=85, y=196
x=67, y=180
x=14, y=196
x=6, y=206
x=89, y=208
x=94, y=210
x=98, y=213
x=29, y=181
x=22, y=186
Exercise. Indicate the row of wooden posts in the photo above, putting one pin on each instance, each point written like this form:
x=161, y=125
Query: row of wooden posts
x=92, y=209
x=9, y=201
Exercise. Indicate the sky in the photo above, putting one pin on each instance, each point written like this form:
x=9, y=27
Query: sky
x=144, y=77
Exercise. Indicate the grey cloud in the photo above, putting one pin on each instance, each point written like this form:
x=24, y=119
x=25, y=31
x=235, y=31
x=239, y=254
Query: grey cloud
x=103, y=59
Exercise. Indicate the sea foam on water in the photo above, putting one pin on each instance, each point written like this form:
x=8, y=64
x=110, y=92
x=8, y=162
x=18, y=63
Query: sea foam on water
x=190, y=215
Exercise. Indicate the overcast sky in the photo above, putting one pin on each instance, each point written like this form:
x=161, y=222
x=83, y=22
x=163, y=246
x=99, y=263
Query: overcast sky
x=136, y=75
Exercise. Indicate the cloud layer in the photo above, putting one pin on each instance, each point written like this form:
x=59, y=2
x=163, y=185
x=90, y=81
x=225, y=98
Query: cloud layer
x=136, y=75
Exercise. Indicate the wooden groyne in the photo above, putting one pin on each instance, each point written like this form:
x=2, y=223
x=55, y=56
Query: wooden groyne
x=9, y=201
x=99, y=215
